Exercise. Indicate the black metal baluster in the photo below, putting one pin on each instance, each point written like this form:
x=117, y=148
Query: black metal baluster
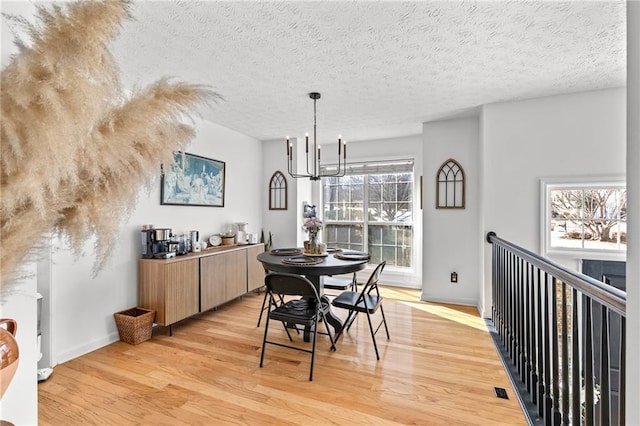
x=588, y=363
x=621, y=381
x=557, y=417
x=565, y=357
x=507, y=304
x=502, y=296
x=605, y=389
x=575, y=359
x=516, y=312
x=494, y=283
x=528, y=326
x=511, y=309
x=518, y=303
x=539, y=400
x=505, y=299
x=522, y=343
x=548, y=400
x=521, y=318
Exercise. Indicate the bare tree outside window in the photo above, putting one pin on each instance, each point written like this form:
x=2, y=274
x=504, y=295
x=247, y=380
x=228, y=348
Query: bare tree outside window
x=386, y=230
x=592, y=218
x=391, y=197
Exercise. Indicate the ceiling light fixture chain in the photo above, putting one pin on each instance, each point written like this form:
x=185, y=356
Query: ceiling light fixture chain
x=314, y=173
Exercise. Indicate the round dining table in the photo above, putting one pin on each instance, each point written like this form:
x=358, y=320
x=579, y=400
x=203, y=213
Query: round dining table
x=330, y=265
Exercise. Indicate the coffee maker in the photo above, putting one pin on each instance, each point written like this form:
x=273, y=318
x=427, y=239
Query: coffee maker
x=147, y=243
x=155, y=243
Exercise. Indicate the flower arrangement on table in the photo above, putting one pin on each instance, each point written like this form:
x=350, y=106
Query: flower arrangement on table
x=312, y=226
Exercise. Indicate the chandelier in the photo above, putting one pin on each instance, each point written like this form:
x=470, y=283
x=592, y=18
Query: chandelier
x=313, y=171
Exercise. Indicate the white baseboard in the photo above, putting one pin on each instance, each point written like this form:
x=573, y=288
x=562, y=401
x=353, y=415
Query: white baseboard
x=87, y=347
x=452, y=301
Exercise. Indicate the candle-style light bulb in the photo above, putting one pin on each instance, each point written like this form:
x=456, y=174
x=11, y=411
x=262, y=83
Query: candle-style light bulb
x=307, y=141
x=318, y=154
x=339, y=145
x=287, y=143
x=344, y=150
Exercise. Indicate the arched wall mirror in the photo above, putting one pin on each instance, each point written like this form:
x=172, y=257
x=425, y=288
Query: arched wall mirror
x=278, y=192
x=450, y=186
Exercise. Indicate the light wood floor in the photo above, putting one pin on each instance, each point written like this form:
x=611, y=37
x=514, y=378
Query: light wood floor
x=439, y=368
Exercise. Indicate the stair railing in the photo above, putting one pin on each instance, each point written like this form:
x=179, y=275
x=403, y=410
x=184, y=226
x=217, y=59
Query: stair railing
x=563, y=334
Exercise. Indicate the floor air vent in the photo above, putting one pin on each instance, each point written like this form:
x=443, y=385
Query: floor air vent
x=501, y=393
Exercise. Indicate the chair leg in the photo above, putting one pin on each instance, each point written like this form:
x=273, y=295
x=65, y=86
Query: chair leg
x=266, y=294
x=384, y=321
x=313, y=351
x=345, y=325
x=326, y=325
x=264, y=341
x=351, y=319
x=275, y=305
x=373, y=336
x=287, y=330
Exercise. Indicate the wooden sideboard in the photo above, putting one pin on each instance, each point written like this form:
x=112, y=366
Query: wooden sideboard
x=182, y=286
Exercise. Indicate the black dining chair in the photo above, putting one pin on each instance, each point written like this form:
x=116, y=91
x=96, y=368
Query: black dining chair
x=308, y=311
x=340, y=282
x=279, y=301
x=367, y=301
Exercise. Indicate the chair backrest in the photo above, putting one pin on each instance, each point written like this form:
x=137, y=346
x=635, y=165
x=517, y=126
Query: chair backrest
x=372, y=283
x=290, y=285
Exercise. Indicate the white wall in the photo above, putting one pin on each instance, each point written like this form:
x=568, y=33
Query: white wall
x=84, y=305
x=633, y=187
x=19, y=405
x=452, y=237
x=281, y=223
x=580, y=134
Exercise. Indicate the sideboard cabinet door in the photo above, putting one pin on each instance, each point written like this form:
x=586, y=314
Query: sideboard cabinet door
x=255, y=270
x=223, y=277
x=170, y=289
x=236, y=274
x=182, y=290
x=212, y=282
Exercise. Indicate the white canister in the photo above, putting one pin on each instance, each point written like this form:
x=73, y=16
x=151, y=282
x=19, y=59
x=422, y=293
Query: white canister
x=241, y=237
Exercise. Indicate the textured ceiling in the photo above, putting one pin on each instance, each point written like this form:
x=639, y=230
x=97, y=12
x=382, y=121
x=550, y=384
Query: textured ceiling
x=382, y=67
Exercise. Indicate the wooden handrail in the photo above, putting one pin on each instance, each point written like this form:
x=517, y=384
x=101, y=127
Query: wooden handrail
x=613, y=298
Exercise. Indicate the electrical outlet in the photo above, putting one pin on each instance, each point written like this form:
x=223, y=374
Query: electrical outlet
x=454, y=277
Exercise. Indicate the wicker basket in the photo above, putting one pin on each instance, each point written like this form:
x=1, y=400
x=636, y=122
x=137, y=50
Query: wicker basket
x=134, y=325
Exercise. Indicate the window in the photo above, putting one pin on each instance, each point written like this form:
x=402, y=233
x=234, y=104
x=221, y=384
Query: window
x=278, y=192
x=450, y=186
x=371, y=209
x=586, y=217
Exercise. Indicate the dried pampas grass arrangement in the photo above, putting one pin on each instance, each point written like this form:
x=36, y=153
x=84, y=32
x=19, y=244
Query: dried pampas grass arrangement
x=74, y=149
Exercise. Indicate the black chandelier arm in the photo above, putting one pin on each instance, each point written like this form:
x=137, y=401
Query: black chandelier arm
x=314, y=171
x=342, y=165
x=339, y=173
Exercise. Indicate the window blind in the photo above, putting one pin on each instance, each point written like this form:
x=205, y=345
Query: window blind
x=372, y=167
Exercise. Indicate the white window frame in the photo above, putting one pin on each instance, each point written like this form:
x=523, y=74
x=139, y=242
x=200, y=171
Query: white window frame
x=549, y=184
x=417, y=212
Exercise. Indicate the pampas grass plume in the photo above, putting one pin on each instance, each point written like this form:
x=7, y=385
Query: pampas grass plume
x=74, y=150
